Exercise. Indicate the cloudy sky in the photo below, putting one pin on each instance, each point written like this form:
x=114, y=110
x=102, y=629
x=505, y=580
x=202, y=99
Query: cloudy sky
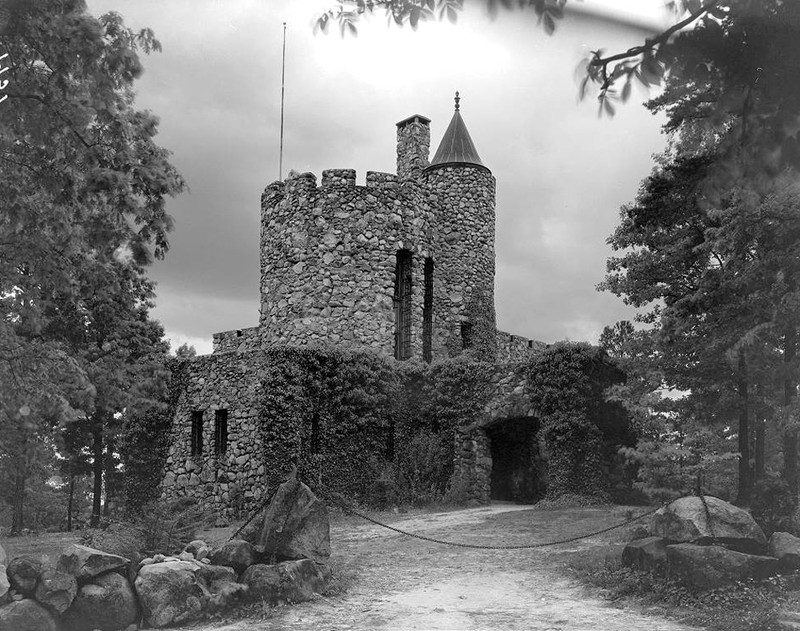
x=562, y=173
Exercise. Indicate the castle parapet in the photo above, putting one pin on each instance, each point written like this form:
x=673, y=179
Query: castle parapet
x=345, y=178
x=238, y=340
x=379, y=179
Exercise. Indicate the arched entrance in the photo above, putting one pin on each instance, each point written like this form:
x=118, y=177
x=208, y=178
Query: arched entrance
x=516, y=462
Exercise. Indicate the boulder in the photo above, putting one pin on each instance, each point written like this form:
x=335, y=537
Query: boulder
x=198, y=548
x=3, y=556
x=237, y=553
x=649, y=554
x=56, y=590
x=26, y=615
x=290, y=581
x=176, y=591
x=23, y=573
x=84, y=563
x=107, y=603
x=685, y=521
x=296, y=525
x=708, y=567
x=785, y=548
x=5, y=586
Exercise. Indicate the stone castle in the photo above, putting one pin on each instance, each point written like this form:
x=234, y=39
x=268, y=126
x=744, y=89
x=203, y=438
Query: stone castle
x=404, y=265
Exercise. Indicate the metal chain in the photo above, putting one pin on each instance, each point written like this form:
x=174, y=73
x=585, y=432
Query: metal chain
x=353, y=511
x=476, y=546
x=708, y=517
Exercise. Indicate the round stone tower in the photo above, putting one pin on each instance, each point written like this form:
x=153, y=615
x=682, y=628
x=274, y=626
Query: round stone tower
x=464, y=190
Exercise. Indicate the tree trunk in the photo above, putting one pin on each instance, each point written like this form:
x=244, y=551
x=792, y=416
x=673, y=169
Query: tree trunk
x=109, y=475
x=761, y=427
x=745, y=481
x=790, y=463
x=97, y=471
x=760, y=437
x=70, y=501
x=18, y=504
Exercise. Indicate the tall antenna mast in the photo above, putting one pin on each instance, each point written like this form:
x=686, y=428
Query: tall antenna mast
x=283, y=82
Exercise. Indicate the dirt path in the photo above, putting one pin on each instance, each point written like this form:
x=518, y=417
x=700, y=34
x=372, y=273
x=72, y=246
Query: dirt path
x=403, y=583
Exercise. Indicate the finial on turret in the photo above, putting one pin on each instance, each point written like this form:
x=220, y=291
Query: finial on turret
x=458, y=98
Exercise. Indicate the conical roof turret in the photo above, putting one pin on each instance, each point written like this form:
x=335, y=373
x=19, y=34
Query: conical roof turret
x=456, y=146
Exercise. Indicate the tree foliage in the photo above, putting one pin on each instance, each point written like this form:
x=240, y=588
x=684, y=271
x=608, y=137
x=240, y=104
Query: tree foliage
x=82, y=193
x=730, y=67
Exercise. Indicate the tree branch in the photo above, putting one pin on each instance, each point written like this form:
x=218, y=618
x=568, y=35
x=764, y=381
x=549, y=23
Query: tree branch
x=649, y=44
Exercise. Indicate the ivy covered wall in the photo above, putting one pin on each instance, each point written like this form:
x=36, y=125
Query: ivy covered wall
x=379, y=431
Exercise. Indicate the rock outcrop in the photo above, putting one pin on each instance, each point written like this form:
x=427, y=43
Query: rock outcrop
x=176, y=591
x=708, y=567
x=785, y=548
x=649, y=554
x=108, y=603
x=237, y=553
x=288, y=582
x=26, y=615
x=23, y=573
x=56, y=590
x=691, y=520
x=85, y=563
x=296, y=525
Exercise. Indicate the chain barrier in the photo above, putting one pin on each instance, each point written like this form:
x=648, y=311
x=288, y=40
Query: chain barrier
x=349, y=509
x=477, y=546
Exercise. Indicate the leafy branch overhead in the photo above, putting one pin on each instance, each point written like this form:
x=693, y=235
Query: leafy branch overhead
x=753, y=45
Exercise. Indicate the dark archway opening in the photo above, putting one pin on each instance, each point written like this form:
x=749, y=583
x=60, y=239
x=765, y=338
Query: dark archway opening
x=516, y=462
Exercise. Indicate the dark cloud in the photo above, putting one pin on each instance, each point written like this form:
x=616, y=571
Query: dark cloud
x=561, y=172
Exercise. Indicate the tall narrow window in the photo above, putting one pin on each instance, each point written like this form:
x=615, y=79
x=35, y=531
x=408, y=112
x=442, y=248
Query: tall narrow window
x=197, y=433
x=220, y=431
x=427, y=312
x=402, y=305
x=466, y=335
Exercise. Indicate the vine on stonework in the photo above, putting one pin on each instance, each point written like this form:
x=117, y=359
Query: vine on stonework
x=329, y=412
x=142, y=445
x=384, y=432
x=566, y=382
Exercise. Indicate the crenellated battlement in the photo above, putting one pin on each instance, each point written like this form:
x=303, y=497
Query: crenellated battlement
x=405, y=260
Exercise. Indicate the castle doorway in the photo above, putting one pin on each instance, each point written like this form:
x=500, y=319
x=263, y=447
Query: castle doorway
x=516, y=461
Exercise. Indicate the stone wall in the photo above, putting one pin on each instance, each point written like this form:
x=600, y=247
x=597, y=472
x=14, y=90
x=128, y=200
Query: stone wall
x=328, y=257
x=240, y=340
x=465, y=262
x=226, y=381
x=473, y=456
x=515, y=347
x=413, y=146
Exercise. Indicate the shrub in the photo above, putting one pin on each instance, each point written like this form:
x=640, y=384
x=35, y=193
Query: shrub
x=773, y=506
x=161, y=527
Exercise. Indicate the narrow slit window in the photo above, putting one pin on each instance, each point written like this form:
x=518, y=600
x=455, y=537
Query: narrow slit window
x=427, y=312
x=220, y=431
x=402, y=305
x=197, y=433
x=466, y=335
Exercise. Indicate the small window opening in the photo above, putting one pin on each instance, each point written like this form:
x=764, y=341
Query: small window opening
x=402, y=305
x=220, y=431
x=197, y=433
x=427, y=312
x=466, y=335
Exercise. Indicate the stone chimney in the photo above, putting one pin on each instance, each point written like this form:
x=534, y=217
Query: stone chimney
x=413, y=145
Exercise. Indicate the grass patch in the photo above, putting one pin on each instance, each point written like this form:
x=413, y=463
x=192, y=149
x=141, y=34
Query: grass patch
x=743, y=606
